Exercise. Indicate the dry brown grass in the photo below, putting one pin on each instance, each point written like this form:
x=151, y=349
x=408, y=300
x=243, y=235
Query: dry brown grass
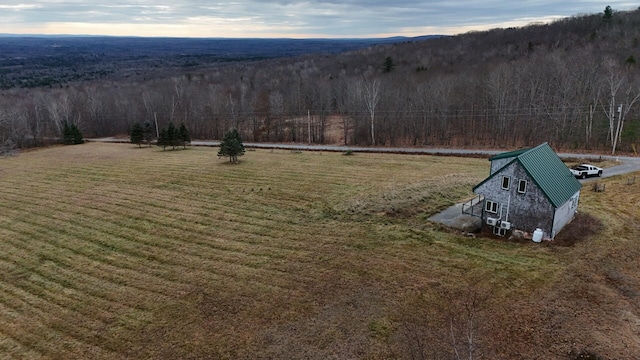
x=110, y=251
x=593, y=307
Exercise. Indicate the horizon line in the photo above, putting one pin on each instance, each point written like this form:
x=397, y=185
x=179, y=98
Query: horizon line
x=219, y=37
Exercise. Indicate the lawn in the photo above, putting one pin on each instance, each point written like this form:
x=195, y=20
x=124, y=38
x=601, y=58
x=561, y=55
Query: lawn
x=110, y=251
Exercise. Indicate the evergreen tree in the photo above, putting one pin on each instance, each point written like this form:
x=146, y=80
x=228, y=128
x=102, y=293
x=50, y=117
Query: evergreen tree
x=163, y=139
x=137, y=134
x=149, y=131
x=76, y=135
x=608, y=13
x=231, y=146
x=630, y=60
x=71, y=135
x=184, y=135
x=388, y=65
x=173, y=136
x=67, y=134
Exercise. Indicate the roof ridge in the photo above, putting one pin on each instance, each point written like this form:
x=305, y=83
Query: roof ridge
x=535, y=148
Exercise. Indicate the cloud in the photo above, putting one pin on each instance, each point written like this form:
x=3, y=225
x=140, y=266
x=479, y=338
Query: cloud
x=18, y=7
x=282, y=18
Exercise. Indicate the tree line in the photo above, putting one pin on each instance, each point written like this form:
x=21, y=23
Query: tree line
x=573, y=83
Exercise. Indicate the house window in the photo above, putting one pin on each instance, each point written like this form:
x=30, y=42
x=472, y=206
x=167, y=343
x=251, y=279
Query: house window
x=506, y=181
x=491, y=206
x=522, y=186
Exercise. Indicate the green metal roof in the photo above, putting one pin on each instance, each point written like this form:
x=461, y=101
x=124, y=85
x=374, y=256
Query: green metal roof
x=546, y=169
x=508, y=154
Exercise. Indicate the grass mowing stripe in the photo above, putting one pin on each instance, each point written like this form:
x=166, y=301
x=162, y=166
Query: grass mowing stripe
x=54, y=296
x=103, y=212
x=74, y=282
x=96, y=285
x=184, y=217
x=138, y=238
x=148, y=254
x=237, y=268
x=111, y=266
x=12, y=348
x=35, y=316
x=21, y=337
x=248, y=216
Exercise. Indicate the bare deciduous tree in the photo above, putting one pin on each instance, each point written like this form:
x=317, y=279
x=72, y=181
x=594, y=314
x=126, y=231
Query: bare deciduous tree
x=371, y=89
x=452, y=326
x=616, y=80
x=465, y=320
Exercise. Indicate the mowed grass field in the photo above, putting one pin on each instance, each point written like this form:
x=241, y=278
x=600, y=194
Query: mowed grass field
x=108, y=251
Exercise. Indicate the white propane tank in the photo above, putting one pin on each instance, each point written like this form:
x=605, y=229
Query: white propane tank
x=537, y=235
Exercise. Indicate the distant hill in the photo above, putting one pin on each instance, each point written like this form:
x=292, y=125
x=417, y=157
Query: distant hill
x=47, y=60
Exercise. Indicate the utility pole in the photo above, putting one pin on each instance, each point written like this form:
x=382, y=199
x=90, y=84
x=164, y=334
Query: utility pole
x=618, y=134
x=157, y=130
x=309, y=125
x=620, y=119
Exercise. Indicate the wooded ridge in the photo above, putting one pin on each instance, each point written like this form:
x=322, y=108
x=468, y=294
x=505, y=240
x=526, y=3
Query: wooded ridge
x=573, y=83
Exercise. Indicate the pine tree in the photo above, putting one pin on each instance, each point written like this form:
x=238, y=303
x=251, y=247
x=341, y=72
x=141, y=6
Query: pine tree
x=71, y=135
x=137, y=134
x=173, y=136
x=388, y=65
x=149, y=131
x=184, y=135
x=608, y=14
x=231, y=146
x=76, y=135
x=67, y=134
x=163, y=139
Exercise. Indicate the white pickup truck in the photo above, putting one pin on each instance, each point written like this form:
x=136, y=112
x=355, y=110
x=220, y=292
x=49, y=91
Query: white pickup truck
x=584, y=170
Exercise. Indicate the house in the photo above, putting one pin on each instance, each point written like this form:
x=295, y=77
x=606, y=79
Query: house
x=528, y=189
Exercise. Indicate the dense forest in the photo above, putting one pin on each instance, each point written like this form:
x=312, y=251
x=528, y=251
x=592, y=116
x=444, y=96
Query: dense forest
x=574, y=83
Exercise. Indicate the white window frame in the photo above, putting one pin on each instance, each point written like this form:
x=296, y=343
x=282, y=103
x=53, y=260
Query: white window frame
x=489, y=208
x=508, y=178
x=525, y=182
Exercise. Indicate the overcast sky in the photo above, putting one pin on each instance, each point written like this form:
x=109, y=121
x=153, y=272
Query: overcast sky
x=283, y=18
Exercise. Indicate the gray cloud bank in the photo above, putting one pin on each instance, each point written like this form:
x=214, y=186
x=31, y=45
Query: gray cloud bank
x=313, y=18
